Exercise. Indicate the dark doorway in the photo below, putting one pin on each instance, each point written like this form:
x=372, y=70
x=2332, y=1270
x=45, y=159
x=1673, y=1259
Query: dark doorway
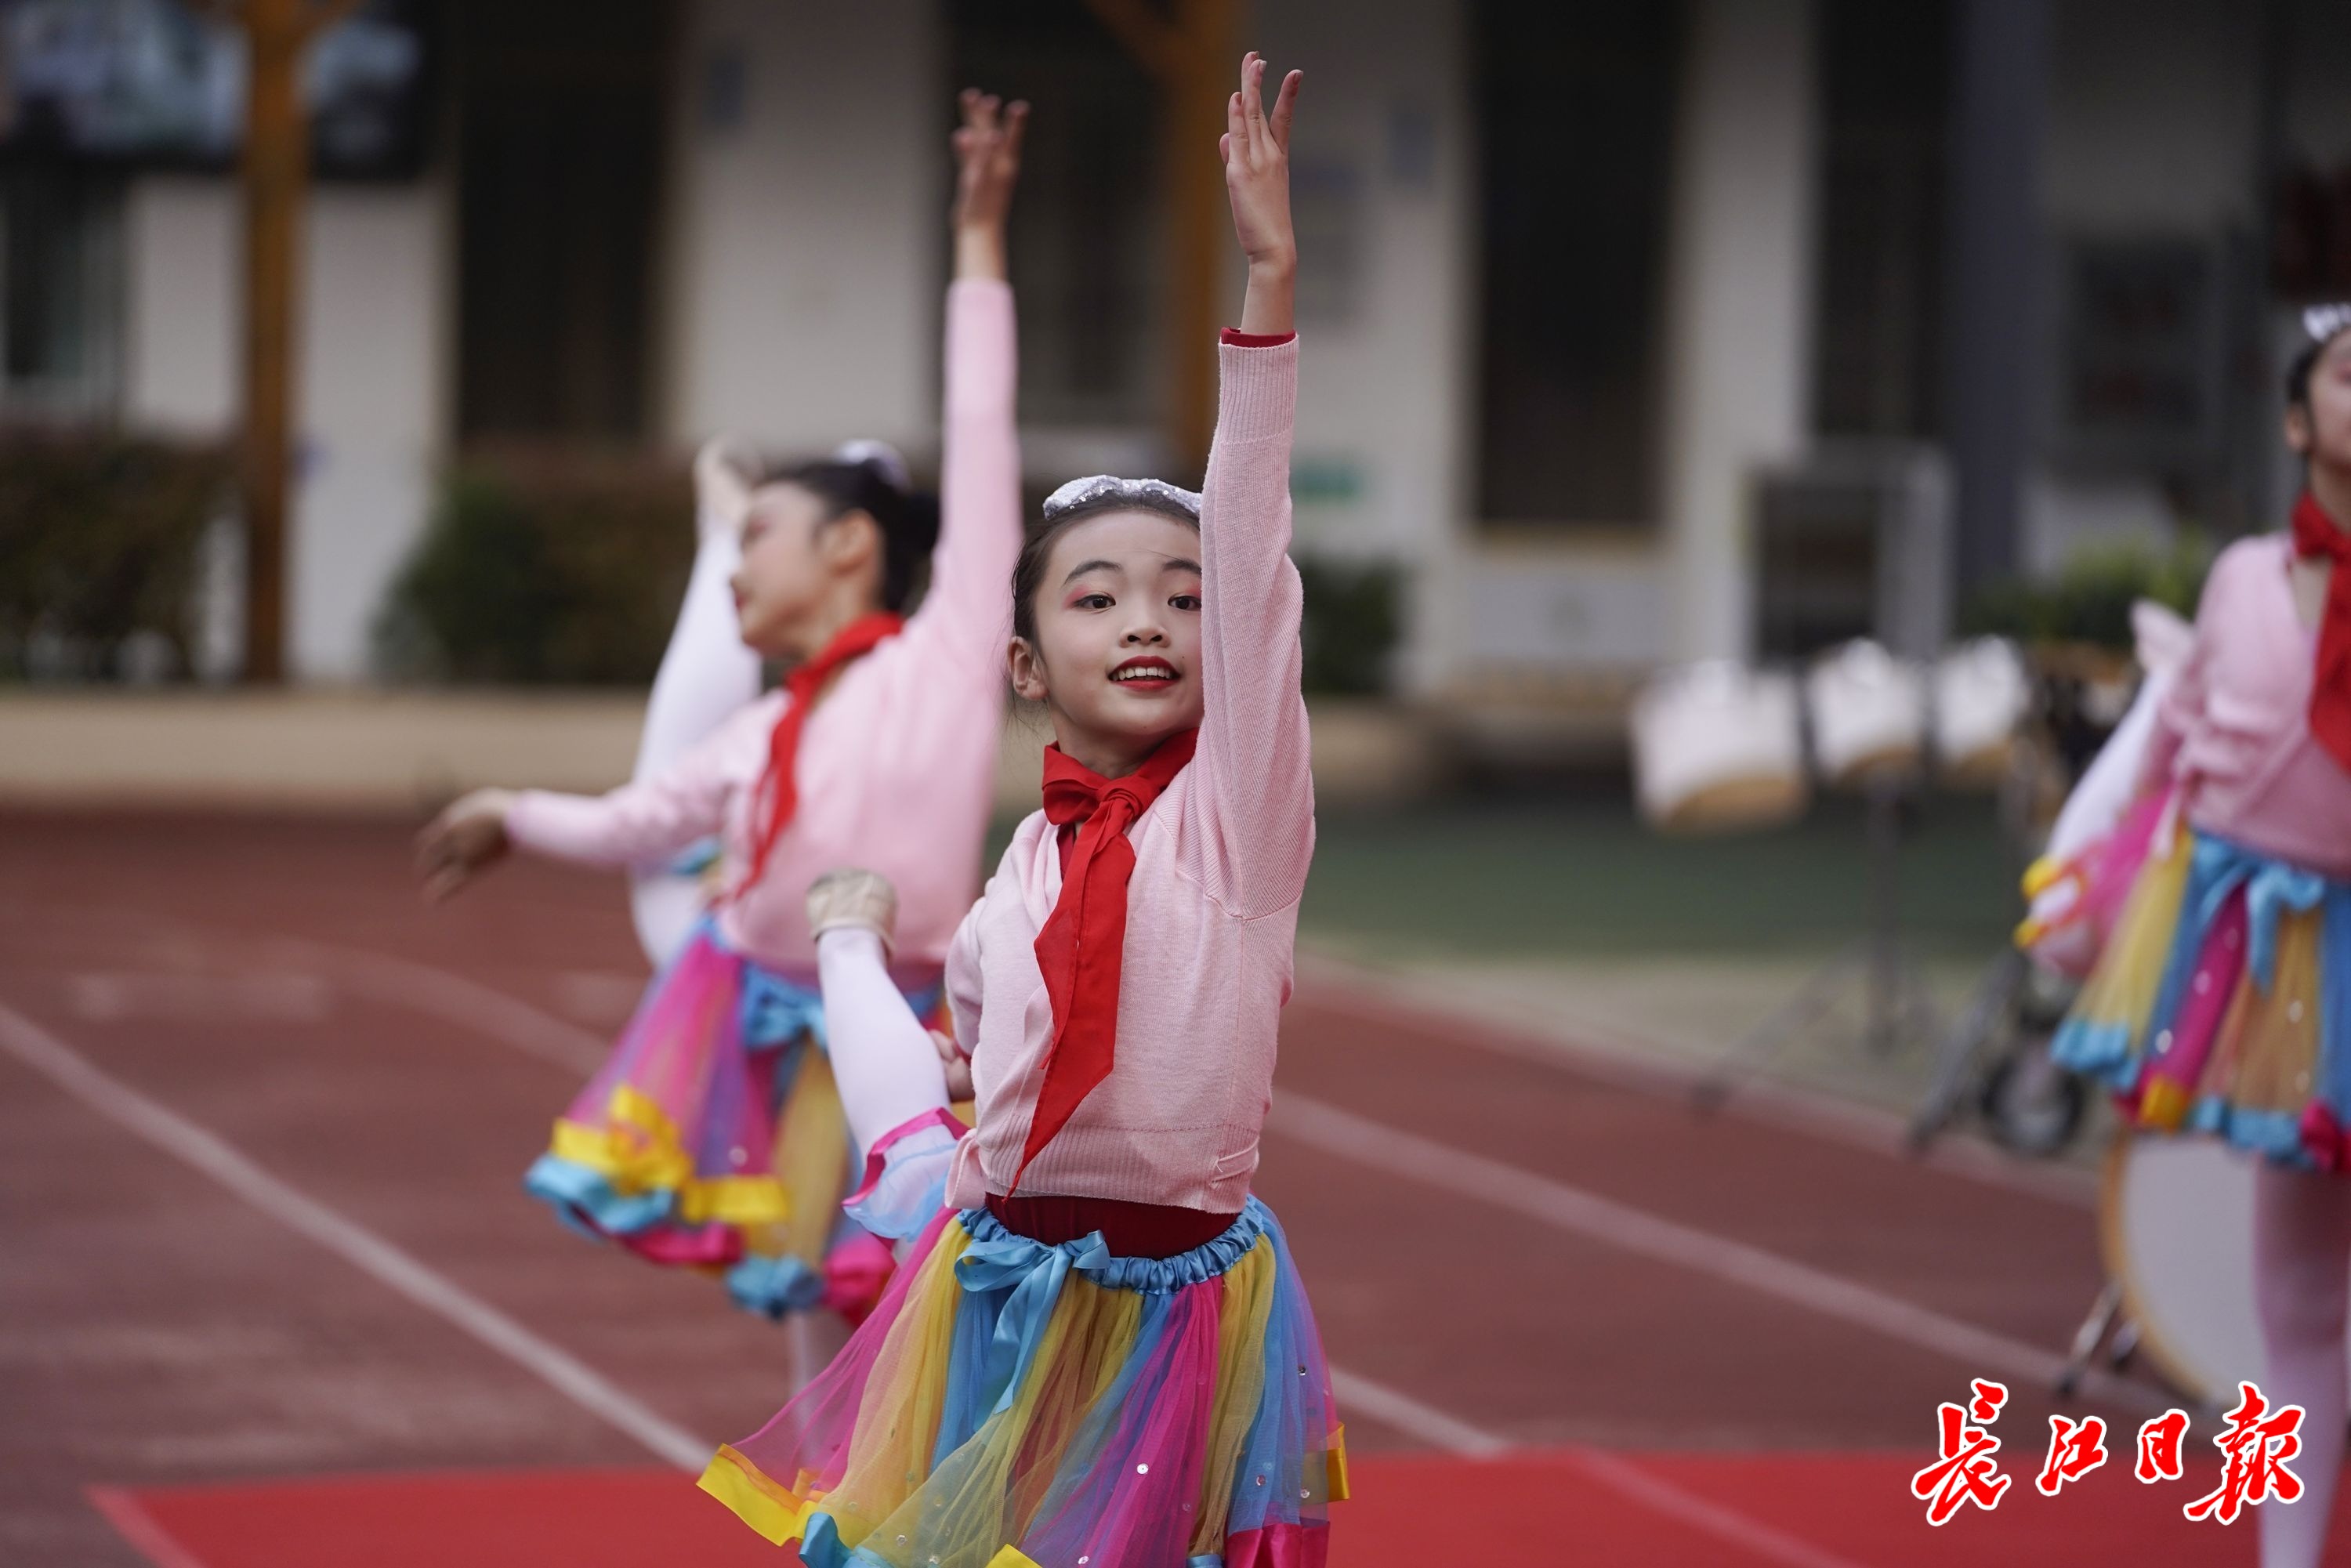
x=1885, y=95
x=560, y=106
x=1086, y=234
x=1575, y=120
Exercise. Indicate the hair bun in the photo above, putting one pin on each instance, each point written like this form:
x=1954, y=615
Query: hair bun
x=881, y=457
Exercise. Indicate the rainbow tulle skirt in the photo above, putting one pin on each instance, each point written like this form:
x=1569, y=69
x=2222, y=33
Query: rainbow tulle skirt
x=1011, y=1404
x=2222, y=1003
x=713, y=1138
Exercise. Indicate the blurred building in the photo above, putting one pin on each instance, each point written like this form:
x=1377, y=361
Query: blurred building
x=1610, y=302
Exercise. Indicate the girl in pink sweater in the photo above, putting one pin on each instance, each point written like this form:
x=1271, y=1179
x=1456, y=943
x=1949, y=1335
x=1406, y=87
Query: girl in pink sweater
x=1100, y=1353
x=691, y=1144
x=2222, y=1001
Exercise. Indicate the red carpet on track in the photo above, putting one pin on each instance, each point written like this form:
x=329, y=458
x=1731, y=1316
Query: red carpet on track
x=1669, y=1510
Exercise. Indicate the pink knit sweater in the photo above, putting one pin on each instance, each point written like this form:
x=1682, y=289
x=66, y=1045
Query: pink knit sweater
x=896, y=764
x=1212, y=908
x=2234, y=729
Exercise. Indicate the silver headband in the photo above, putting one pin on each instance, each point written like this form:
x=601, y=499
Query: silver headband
x=1098, y=491
x=2326, y=322
x=878, y=454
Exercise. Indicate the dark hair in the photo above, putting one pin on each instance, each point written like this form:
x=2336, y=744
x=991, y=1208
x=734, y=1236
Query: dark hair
x=2297, y=373
x=1028, y=570
x=909, y=520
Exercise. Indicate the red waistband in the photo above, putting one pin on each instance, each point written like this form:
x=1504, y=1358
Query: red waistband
x=1129, y=1229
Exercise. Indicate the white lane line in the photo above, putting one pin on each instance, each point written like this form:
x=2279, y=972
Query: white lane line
x=1624, y=1061
x=1697, y=1511
x=452, y=999
x=479, y=1009
x=131, y=995
x=140, y=1529
x=1401, y=1413
x=468, y=1005
x=1359, y=1395
x=1393, y=1150
x=1396, y=1151
x=42, y=1052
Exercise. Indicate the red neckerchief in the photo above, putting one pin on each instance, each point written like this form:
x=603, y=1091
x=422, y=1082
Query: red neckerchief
x=1084, y=939
x=2317, y=535
x=778, y=790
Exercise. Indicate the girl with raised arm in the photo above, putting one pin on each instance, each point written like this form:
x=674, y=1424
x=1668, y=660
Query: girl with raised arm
x=1100, y=1353
x=2221, y=1002
x=880, y=748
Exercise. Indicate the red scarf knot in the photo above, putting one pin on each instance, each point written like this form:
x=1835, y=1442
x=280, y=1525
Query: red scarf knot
x=1083, y=941
x=2317, y=535
x=776, y=798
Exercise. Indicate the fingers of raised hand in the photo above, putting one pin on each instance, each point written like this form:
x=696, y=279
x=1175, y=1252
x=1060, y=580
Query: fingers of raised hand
x=1285, y=104
x=1016, y=123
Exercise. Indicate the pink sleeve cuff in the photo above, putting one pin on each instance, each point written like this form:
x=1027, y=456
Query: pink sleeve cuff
x=1236, y=338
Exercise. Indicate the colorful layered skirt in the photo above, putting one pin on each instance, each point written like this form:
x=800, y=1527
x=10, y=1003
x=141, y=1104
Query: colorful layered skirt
x=713, y=1138
x=2222, y=1003
x=1014, y=1405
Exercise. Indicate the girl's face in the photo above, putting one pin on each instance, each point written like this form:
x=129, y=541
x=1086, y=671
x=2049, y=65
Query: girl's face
x=795, y=561
x=2321, y=432
x=1117, y=652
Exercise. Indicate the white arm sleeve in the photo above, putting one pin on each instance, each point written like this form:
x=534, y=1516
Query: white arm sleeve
x=882, y=1057
x=706, y=673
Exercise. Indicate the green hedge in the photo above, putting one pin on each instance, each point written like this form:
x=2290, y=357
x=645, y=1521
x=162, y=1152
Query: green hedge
x=1355, y=619
x=563, y=570
x=544, y=569
x=100, y=537
x=2089, y=602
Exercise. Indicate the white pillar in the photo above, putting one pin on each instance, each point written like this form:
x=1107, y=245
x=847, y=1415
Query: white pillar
x=1738, y=321
x=373, y=378
x=375, y=384
x=807, y=222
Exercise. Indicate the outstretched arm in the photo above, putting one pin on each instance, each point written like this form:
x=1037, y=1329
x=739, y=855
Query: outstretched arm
x=637, y=823
x=963, y=615
x=1256, y=792
x=987, y=166
x=1256, y=151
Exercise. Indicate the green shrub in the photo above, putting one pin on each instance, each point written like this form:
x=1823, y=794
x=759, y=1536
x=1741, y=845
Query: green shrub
x=1355, y=619
x=2090, y=600
x=537, y=569
x=100, y=536
x=543, y=569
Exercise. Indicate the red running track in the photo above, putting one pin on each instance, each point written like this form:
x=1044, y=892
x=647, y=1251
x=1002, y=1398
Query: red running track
x=1699, y=1341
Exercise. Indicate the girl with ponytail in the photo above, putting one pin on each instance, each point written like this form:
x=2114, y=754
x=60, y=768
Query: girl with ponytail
x=712, y=1137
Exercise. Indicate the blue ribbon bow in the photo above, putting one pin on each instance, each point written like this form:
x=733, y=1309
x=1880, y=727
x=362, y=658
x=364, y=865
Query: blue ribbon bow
x=1035, y=1272
x=2273, y=891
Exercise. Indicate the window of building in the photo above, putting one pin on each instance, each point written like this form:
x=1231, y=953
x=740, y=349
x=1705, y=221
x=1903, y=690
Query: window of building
x=61, y=278
x=560, y=111
x=1086, y=234
x=1885, y=95
x=1576, y=114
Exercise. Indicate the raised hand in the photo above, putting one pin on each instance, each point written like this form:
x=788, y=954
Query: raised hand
x=987, y=166
x=462, y=841
x=1255, y=149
